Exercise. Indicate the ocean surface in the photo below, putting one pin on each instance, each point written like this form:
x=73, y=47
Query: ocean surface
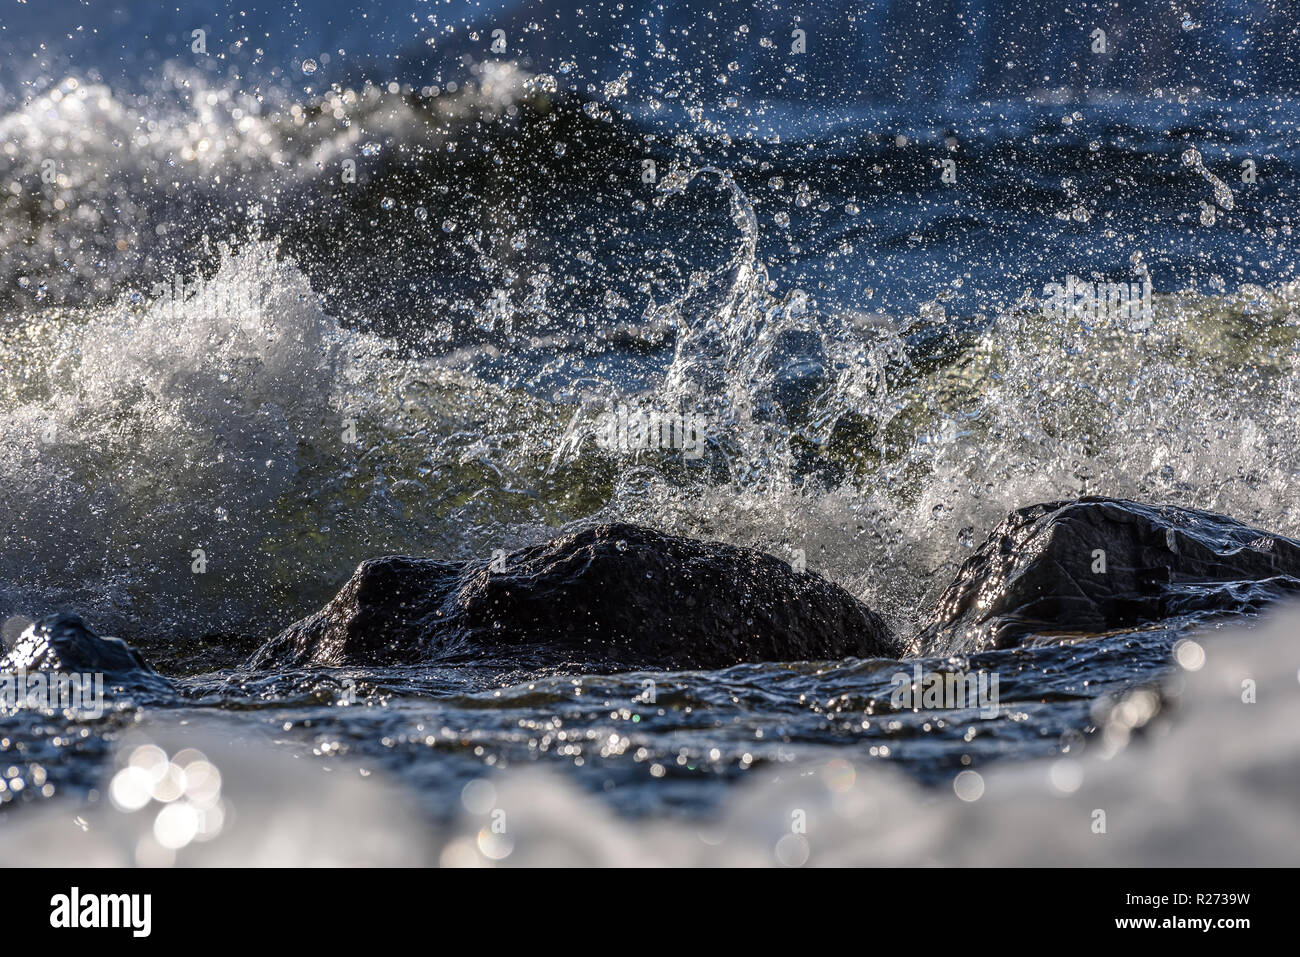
x=321, y=283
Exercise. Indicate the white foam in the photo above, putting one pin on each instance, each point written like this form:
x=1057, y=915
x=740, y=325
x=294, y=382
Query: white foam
x=160, y=429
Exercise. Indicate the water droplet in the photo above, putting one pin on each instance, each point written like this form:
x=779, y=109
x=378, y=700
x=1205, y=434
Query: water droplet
x=543, y=82
x=309, y=66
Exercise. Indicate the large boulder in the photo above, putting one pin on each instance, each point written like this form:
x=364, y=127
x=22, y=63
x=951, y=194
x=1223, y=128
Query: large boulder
x=1100, y=564
x=613, y=596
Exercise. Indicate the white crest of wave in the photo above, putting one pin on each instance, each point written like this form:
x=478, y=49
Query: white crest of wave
x=145, y=433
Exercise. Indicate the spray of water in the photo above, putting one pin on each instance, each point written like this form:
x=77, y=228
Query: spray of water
x=234, y=417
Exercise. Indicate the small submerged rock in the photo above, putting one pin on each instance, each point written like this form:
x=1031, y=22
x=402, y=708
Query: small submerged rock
x=1099, y=564
x=614, y=596
x=63, y=643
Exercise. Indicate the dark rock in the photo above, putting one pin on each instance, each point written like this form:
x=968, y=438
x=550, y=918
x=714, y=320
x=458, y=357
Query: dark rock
x=62, y=642
x=615, y=596
x=1099, y=564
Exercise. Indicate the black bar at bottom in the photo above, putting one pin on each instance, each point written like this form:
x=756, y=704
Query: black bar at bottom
x=336, y=907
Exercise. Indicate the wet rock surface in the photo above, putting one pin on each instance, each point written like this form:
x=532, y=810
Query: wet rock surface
x=63, y=643
x=613, y=596
x=621, y=597
x=1099, y=564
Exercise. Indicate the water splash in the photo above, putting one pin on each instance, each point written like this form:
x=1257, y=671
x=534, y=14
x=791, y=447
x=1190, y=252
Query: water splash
x=187, y=462
x=218, y=419
x=1222, y=194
